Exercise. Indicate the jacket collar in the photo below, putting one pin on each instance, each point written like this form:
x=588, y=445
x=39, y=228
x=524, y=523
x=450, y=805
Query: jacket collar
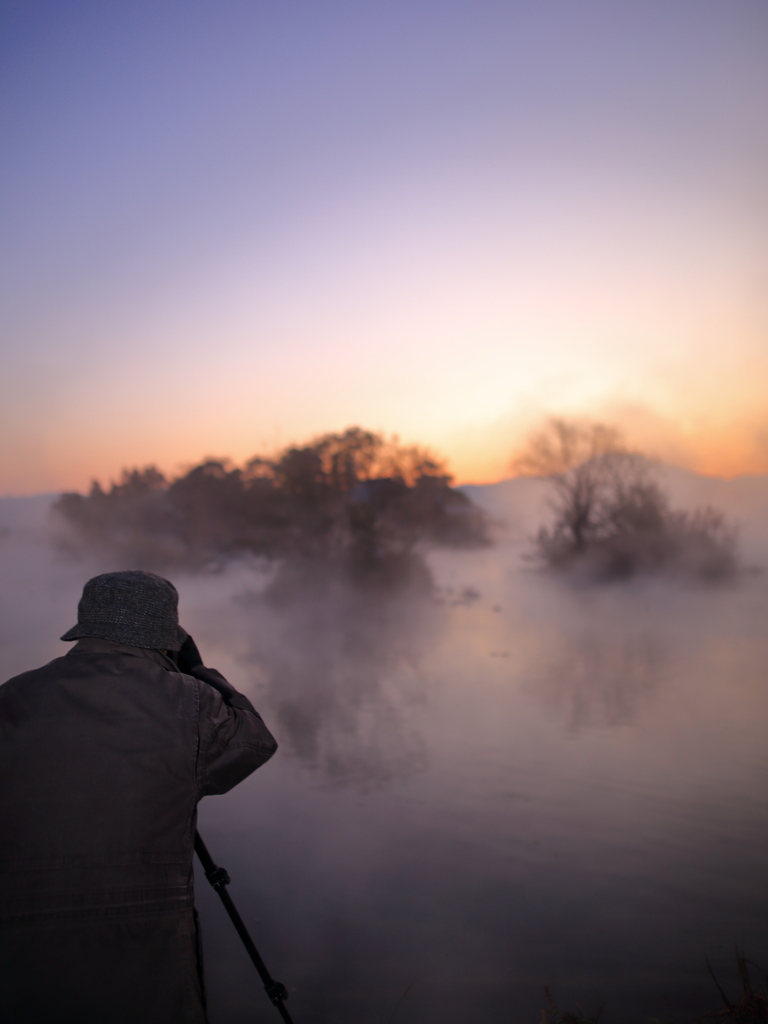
x=95, y=645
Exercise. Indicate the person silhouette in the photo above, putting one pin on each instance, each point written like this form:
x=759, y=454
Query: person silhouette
x=104, y=755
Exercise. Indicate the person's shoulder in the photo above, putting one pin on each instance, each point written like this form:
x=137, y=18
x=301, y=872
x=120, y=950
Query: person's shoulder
x=33, y=674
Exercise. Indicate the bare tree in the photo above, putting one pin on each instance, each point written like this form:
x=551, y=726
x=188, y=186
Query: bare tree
x=590, y=468
x=611, y=517
x=562, y=445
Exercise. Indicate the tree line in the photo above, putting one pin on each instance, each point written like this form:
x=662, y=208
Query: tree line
x=355, y=499
x=366, y=504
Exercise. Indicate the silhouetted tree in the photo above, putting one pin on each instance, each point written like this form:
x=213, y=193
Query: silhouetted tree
x=610, y=516
x=354, y=498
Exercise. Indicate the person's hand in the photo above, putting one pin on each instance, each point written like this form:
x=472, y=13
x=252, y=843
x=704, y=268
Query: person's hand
x=188, y=656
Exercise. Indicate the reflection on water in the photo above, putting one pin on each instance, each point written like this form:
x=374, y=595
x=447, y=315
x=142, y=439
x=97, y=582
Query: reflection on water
x=532, y=786
x=570, y=790
x=342, y=676
x=598, y=680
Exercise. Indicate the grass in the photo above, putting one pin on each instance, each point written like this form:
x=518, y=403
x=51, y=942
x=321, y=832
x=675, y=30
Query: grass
x=749, y=1006
x=553, y=1015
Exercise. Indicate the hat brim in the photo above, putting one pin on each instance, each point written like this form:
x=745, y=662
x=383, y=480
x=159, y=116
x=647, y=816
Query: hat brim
x=129, y=635
x=76, y=633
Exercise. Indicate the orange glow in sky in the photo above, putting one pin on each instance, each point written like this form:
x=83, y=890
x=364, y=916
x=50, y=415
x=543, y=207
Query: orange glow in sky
x=230, y=229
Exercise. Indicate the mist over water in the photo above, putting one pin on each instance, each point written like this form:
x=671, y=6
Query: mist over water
x=509, y=783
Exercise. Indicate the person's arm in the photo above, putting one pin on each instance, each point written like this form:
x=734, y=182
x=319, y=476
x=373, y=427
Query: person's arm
x=233, y=738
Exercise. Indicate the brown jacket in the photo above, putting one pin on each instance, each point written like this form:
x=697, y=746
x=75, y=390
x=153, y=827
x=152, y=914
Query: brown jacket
x=104, y=754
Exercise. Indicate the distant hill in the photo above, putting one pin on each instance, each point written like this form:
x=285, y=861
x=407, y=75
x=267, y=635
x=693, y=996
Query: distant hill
x=515, y=506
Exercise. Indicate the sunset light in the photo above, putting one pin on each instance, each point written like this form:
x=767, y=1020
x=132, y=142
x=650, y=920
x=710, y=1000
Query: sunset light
x=384, y=408
x=231, y=230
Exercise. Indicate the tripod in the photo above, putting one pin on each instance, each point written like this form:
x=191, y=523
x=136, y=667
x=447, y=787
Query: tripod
x=219, y=879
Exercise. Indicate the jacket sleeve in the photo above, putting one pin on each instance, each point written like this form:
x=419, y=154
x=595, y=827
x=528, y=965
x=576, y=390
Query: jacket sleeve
x=233, y=738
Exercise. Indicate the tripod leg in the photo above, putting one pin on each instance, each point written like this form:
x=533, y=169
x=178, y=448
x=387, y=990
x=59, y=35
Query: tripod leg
x=219, y=879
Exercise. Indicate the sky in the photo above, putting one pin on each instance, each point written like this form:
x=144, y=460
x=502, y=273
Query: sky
x=230, y=227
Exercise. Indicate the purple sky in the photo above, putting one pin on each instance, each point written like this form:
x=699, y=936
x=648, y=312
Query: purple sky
x=229, y=226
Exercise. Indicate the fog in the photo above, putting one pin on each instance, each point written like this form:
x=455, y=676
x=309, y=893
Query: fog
x=508, y=782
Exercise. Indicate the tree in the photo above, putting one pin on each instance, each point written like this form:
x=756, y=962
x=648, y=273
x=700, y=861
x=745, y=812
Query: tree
x=611, y=518
x=355, y=499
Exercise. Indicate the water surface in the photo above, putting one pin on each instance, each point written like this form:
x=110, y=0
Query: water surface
x=514, y=784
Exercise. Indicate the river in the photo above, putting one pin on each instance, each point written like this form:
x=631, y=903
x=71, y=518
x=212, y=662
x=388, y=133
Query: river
x=511, y=784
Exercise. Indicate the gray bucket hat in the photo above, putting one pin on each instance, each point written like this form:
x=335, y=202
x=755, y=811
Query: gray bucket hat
x=131, y=607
